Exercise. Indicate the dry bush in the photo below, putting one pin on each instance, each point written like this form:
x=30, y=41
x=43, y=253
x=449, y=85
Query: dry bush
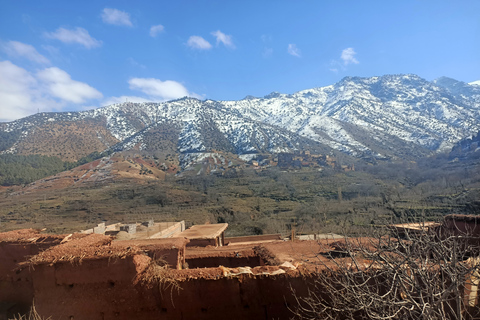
x=157, y=275
x=422, y=276
x=31, y=315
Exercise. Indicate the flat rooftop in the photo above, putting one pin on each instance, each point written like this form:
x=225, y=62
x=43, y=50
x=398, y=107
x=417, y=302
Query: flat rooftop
x=204, y=231
x=416, y=225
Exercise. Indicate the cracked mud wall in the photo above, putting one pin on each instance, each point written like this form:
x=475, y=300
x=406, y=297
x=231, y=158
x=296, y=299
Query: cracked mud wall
x=65, y=291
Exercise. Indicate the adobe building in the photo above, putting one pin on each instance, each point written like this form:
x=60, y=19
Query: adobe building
x=90, y=276
x=407, y=230
x=205, y=235
x=461, y=224
x=467, y=226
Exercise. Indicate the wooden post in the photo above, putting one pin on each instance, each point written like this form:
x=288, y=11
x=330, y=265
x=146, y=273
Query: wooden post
x=294, y=224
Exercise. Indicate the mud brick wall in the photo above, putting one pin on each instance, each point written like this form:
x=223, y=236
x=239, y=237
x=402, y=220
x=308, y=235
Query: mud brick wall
x=59, y=296
x=88, y=290
x=16, y=289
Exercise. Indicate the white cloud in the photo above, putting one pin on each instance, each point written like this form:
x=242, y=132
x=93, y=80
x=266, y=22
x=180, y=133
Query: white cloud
x=155, y=90
x=116, y=17
x=197, y=42
x=122, y=99
x=348, y=56
x=60, y=85
x=77, y=35
x=16, y=86
x=23, y=50
x=164, y=90
x=155, y=30
x=223, y=38
x=293, y=50
x=22, y=93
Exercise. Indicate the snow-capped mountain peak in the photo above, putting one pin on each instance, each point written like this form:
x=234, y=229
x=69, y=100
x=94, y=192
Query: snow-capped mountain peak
x=403, y=116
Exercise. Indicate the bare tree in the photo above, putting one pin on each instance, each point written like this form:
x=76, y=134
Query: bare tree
x=427, y=275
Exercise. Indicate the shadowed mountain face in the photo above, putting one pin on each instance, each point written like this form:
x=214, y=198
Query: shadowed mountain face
x=394, y=116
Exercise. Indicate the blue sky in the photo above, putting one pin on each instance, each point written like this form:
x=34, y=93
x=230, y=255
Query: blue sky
x=76, y=55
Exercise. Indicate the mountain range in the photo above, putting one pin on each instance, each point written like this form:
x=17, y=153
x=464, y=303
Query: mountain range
x=386, y=117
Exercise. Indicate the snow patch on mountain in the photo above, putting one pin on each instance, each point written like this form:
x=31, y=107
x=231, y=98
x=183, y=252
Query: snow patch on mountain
x=476, y=83
x=356, y=115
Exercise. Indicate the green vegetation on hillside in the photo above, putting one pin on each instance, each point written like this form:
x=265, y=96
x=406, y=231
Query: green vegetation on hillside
x=8, y=139
x=258, y=202
x=21, y=170
x=17, y=169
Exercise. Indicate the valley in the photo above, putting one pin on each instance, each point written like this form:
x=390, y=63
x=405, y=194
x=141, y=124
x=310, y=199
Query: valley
x=357, y=154
x=251, y=200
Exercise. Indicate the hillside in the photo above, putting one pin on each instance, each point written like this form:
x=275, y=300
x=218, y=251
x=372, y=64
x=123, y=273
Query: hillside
x=388, y=117
x=251, y=200
x=467, y=149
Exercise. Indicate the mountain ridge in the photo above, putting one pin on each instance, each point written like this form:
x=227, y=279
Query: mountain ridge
x=386, y=117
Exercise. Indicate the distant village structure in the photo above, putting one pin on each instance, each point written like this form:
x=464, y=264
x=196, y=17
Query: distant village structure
x=219, y=165
x=144, y=230
x=306, y=159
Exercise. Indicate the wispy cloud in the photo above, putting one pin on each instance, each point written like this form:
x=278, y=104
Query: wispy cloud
x=223, y=38
x=54, y=51
x=156, y=30
x=22, y=93
x=334, y=66
x=22, y=50
x=116, y=17
x=267, y=52
x=267, y=49
x=159, y=90
x=197, y=42
x=293, y=50
x=348, y=56
x=77, y=35
x=135, y=63
x=266, y=38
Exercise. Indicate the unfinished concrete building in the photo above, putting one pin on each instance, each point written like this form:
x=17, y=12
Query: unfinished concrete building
x=144, y=230
x=205, y=235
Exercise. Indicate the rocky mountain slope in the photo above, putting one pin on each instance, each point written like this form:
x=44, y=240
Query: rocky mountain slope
x=393, y=116
x=467, y=149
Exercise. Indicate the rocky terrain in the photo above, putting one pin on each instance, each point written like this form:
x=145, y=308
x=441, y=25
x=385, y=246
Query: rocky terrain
x=388, y=117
